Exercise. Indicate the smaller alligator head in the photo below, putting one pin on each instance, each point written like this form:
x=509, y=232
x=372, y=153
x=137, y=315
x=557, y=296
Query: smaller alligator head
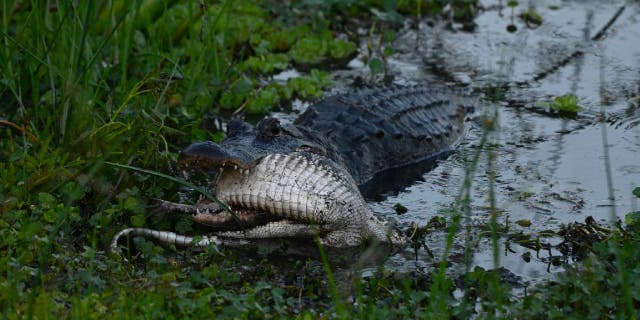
x=284, y=171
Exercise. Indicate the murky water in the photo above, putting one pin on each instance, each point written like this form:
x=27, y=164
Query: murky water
x=549, y=171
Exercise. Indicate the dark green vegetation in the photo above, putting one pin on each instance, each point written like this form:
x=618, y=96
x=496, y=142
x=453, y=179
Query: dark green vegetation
x=131, y=82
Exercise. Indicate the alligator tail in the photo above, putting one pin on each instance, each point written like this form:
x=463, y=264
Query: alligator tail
x=165, y=237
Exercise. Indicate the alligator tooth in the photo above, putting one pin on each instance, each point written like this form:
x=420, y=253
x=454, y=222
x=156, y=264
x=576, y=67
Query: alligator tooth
x=235, y=167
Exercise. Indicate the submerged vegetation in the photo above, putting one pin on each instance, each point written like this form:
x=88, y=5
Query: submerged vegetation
x=85, y=83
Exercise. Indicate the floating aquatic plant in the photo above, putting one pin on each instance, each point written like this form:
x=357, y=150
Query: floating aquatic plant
x=564, y=105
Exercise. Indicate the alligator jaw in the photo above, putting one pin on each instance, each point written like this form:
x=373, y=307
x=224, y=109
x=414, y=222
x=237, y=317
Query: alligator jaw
x=207, y=155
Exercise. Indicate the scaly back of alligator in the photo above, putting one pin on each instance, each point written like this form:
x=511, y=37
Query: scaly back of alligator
x=375, y=129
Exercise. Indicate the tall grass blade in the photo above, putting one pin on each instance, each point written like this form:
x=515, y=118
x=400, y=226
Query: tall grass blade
x=176, y=180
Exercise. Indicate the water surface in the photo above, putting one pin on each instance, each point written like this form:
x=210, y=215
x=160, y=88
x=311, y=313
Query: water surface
x=550, y=171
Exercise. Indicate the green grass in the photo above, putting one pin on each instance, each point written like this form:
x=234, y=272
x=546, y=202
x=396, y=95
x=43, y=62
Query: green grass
x=130, y=82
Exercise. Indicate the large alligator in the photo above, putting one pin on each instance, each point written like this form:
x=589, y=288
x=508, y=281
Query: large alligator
x=301, y=180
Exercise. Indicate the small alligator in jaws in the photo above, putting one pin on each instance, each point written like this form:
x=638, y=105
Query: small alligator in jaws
x=301, y=180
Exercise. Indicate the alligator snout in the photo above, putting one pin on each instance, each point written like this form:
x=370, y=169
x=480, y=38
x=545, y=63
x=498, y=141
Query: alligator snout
x=208, y=155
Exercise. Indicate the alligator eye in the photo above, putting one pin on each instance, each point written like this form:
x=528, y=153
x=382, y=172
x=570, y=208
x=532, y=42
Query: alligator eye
x=275, y=131
x=269, y=128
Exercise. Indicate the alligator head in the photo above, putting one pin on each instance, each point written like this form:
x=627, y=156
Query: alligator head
x=246, y=145
x=287, y=173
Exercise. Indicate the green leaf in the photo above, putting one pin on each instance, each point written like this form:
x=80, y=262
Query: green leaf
x=532, y=18
x=239, y=92
x=309, y=86
x=29, y=230
x=567, y=103
x=340, y=49
x=137, y=220
x=267, y=64
x=310, y=51
x=130, y=203
x=632, y=218
x=73, y=191
x=375, y=65
x=389, y=36
x=400, y=209
x=218, y=136
x=266, y=99
x=636, y=192
x=46, y=199
x=50, y=216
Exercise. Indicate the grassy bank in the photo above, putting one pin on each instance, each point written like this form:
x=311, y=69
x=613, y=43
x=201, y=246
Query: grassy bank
x=132, y=82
